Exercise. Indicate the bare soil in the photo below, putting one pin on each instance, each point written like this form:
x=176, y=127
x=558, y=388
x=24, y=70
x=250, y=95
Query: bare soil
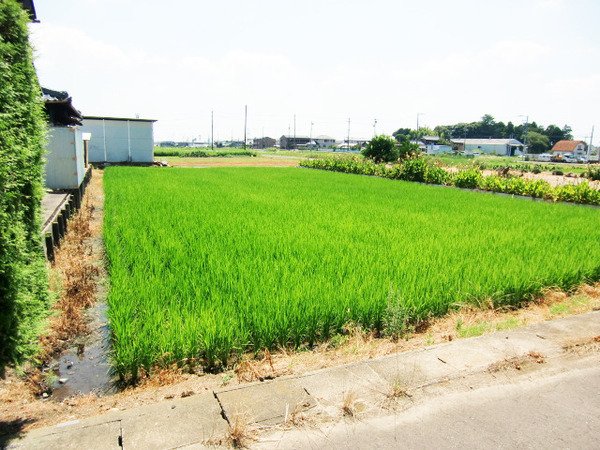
x=22, y=406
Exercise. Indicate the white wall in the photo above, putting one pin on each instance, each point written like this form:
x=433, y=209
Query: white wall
x=65, y=165
x=125, y=140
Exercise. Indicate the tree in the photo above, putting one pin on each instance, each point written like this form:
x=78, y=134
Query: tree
x=24, y=298
x=537, y=142
x=402, y=134
x=381, y=148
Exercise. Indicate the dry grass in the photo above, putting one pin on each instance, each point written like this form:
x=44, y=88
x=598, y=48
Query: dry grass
x=240, y=433
x=349, y=404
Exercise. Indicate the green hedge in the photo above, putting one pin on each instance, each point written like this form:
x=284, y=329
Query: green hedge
x=170, y=151
x=425, y=171
x=24, y=298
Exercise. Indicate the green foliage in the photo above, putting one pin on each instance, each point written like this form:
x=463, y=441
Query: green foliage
x=202, y=266
x=537, y=142
x=381, y=148
x=170, y=151
x=414, y=169
x=407, y=149
x=487, y=127
x=468, y=178
x=593, y=173
x=23, y=280
x=423, y=170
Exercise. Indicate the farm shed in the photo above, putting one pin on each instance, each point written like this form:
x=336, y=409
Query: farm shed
x=116, y=139
x=506, y=147
x=66, y=160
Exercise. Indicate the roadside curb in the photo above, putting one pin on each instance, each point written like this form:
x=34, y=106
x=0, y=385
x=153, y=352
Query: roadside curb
x=205, y=418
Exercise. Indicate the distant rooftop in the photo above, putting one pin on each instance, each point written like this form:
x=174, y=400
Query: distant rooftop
x=118, y=118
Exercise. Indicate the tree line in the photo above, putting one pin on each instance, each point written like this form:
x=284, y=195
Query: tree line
x=539, y=139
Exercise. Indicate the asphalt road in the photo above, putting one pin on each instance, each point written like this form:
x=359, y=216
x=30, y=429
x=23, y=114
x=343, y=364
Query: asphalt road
x=558, y=411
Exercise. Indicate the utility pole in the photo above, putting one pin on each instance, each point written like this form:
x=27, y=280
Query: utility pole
x=245, y=123
x=311, y=125
x=374, y=128
x=348, y=134
x=212, y=130
x=589, y=152
x=295, y=146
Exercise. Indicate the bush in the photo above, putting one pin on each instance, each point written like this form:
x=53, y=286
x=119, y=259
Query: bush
x=408, y=150
x=414, y=169
x=557, y=172
x=381, y=148
x=468, y=179
x=593, y=173
x=437, y=175
x=24, y=298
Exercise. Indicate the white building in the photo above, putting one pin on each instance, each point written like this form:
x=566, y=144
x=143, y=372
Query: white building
x=116, y=139
x=503, y=147
x=324, y=141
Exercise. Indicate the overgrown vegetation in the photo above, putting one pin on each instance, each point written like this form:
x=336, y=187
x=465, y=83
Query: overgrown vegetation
x=180, y=152
x=24, y=298
x=383, y=148
x=424, y=170
x=205, y=265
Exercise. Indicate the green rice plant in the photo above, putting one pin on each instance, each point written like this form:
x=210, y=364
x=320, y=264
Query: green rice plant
x=206, y=264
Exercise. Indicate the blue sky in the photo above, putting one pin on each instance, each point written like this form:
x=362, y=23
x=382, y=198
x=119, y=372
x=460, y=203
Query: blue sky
x=323, y=61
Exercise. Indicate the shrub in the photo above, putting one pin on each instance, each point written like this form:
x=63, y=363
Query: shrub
x=557, y=172
x=381, y=148
x=437, y=175
x=414, y=169
x=468, y=179
x=593, y=173
x=23, y=280
x=407, y=149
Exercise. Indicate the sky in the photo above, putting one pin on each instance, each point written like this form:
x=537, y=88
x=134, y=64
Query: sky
x=327, y=66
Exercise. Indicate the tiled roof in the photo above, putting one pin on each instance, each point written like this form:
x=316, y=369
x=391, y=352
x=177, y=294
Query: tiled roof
x=566, y=146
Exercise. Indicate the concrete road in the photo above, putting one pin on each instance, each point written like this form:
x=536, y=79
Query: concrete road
x=557, y=411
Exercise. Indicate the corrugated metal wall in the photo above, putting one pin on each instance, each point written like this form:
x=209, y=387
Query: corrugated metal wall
x=65, y=165
x=120, y=140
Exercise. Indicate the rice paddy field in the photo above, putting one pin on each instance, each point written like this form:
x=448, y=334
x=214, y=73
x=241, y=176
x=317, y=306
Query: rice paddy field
x=207, y=263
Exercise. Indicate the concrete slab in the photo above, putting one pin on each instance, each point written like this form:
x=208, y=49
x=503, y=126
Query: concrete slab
x=265, y=403
x=333, y=384
x=169, y=424
x=173, y=423
x=72, y=435
x=51, y=204
x=192, y=421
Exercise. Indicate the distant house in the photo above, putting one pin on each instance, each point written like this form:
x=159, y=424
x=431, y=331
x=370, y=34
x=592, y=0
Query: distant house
x=66, y=157
x=324, y=141
x=264, y=142
x=569, y=148
x=290, y=142
x=504, y=147
x=429, y=144
x=117, y=139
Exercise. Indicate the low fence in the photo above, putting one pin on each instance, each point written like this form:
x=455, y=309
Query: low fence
x=57, y=224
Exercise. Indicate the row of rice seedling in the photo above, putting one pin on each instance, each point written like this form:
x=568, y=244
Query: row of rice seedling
x=205, y=153
x=207, y=263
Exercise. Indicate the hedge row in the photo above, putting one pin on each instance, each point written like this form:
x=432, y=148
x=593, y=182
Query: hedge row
x=201, y=153
x=24, y=298
x=422, y=170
